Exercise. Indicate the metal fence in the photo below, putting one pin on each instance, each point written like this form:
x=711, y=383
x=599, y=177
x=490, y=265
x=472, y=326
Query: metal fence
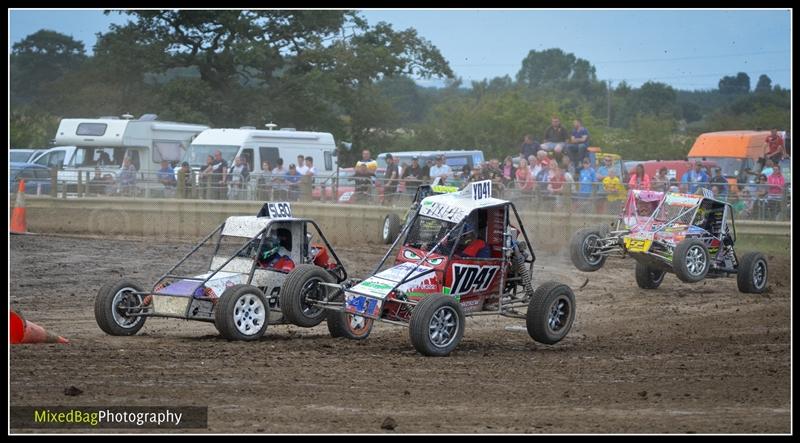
x=750, y=201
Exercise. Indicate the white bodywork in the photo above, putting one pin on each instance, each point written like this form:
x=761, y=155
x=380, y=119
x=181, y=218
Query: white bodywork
x=456, y=206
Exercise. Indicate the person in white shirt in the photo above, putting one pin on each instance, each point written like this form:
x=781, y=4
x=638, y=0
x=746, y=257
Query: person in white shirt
x=440, y=169
x=301, y=165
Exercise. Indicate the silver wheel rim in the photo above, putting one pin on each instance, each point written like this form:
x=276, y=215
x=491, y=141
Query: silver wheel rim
x=695, y=260
x=311, y=289
x=588, y=242
x=759, y=274
x=123, y=300
x=559, y=313
x=249, y=314
x=443, y=326
x=386, y=228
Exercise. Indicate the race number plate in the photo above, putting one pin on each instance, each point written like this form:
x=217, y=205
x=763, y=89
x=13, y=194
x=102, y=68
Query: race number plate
x=361, y=305
x=279, y=210
x=639, y=242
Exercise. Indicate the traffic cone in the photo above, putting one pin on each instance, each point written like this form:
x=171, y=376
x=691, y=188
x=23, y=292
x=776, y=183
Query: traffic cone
x=18, y=223
x=23, y=331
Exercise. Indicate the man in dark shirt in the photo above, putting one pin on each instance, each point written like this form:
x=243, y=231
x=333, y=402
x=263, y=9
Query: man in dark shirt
x=391, y=178
x=219, y=171
x=412, y=176
x=555, y=137
x=529, y=147
x=721, y=182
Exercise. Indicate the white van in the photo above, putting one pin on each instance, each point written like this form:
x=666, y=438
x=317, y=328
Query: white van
x=256, y=146
x=104, y=142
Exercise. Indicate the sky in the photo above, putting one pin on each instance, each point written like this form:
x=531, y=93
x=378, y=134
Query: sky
x=687, y=49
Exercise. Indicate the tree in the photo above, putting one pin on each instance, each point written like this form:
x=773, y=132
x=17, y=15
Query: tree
x=764, y=84
x=552, y=65
x=40, y=59
x=735, y=85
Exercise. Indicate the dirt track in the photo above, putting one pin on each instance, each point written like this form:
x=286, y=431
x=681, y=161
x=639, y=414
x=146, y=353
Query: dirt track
x=685, y=358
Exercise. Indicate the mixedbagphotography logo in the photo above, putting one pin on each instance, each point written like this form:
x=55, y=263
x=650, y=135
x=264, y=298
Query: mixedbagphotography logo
x=144, y=417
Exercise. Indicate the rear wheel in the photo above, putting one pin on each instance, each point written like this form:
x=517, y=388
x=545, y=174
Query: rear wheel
x=647, y=277
x=113, y=306
x=751, y=276
x=437, y=325
x=241, y=313
x=343, y=324
x=301, y=286
x=582, y=250
x=691, y=260
x=551, y=313
x=391, y=228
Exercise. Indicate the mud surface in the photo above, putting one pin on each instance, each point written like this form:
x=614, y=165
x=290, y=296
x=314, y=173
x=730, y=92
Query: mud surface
x=684, y=358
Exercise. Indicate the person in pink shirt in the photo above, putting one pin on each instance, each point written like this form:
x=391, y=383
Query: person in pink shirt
x=524, y=178
x=776, y=182
x=639, y=180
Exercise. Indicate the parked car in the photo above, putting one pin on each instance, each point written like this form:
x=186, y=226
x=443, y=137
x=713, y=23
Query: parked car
x=24, y=155
x=37, y=177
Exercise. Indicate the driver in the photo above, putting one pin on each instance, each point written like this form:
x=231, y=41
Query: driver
x=470, y=244
x=273, y=253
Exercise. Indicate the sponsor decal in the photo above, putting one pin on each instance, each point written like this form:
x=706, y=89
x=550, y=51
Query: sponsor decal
x=686, y=200
x=279, y=210
x=444, y=189
x=359, y=304
x=442, y=211
x=472, y=278
x=375, y=287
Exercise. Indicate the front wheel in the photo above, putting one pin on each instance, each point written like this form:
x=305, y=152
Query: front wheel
x=691, y=260
x=751, y=276
x=583, y=250
x=300, y=286
x=391, y=228
x=551, y=313
x=242, y=313
x=353, y=327
x=113, y=306
x=647, y=277
x=437, y=325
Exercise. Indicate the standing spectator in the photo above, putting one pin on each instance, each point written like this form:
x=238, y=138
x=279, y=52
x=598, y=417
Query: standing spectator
x=578, y=142
x=426, y=170
x=685, y=178
x=774, y=148
x=697, y=177
x=301, y=165
x=555, y=182
x=586, y=179
x=264, y=183
x=639, y=180
x=391, y=179
x=555, y=137
x=185, y=173
x=292, y=178
x=127, y=177
x=206, y=178
x=508, y=172
x=606, y=165
x=366, y=158
x=529, y=147
x=279, y=187
x=166, y=176
x=308, y=178
x=661, y=181
x=104, y=159
x=412, y=176
x=440, y=169
x=363, y=179
x=720, y=182
x=525, y=180
x=614, y=190
x=237, y=179
x=219, y=176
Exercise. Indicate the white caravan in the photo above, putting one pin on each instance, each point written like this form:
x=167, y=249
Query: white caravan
x=104, y=142
x=256, y=146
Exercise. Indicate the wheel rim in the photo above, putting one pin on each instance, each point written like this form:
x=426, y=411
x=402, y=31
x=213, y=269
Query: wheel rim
x=249, y=314
x=759, y=274
x=123, y=301
x=695, y=260
x=443, y=326
x=312, y=290
x=386, y=228
x=559, y=314
x=589, y=242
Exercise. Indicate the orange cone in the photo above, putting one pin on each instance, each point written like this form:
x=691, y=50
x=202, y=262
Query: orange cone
x=18, y=223
x=23, y=331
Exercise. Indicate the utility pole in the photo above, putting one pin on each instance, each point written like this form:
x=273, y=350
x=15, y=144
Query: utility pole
x=608, y=102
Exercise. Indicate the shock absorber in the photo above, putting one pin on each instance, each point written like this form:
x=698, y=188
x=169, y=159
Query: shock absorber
x=518, y=260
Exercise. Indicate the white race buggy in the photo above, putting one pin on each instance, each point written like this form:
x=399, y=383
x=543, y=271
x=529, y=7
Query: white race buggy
x=256, y=259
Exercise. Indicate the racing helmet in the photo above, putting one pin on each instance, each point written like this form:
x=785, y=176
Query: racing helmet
x=269, y=249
